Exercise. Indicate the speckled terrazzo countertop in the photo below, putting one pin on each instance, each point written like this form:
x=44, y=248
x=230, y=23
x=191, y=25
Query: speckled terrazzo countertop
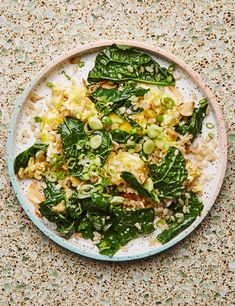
x=35, y=271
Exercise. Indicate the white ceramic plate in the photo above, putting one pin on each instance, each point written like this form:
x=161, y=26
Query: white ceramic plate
x=189, y=84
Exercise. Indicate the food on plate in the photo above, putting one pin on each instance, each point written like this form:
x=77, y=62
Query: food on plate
x=116, y=157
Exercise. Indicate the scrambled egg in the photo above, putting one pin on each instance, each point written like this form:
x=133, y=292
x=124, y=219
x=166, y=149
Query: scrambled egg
x=125, y=161
x=74, y=101
x=66, y=101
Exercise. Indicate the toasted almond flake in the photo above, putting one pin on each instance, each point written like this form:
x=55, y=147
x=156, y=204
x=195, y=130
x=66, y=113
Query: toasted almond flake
x=125, y=249
x=75, y=60
x=107, y=85
x=186, y=109
x=65, y=167
x=25, y=134
x=84, y=83
x=34, y=194
x=35, y=97
x=59, y=208
x=177, y=75
x=179, y=98
x=37, y=213
x=77, y=235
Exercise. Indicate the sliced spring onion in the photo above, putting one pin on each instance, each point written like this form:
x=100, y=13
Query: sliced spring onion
x=95, y=141
x=81, y=64
x=37, y=119
x=148, y=146
x=167, y=102
x=210, y=125
x=169, y=78
x=95, y=123
x=159, y=118
x=51, y=176
x=66, y=75
x=106, y=121
x=85, y=177
x=85, y=190
x=154, y=131
x=171, y=68
x=49, y=84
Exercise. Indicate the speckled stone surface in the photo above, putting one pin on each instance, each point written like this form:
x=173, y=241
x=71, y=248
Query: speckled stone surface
x=198, y=271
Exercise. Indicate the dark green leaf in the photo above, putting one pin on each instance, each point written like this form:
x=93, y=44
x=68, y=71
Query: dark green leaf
x=22, y=159
x=126, y=225
x=169, y=176
x=74, y=142
x=119, y=63
x=98, y=203
x=106, y=145
x=114, y=98
x=120, y=136
x=135, y=184
x=194, y=124
x=195, y=210
x=73, y=207
x=67, y=229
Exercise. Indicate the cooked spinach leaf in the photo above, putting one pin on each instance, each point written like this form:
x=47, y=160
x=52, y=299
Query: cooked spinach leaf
x=169, y=176
x=174, y=229
x=98, y=203
x=66, y=220
x=119, y=63
x=53, y=196
x=96, y=213
x=103, y=150
x=74, y=207
x=114, y=98
x=120, y=136
x=126, y=225
x=67, y=229
x=135, y=184
x=195, y=210
x=194, y=124
x=22, y=159
x=76, y=145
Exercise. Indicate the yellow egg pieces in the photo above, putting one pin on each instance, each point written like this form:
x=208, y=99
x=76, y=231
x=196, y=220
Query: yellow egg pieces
x=125, y=161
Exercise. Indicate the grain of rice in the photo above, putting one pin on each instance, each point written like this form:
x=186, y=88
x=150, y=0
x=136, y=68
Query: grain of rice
x=179, y=215
x=165, y=211
x=180, y=220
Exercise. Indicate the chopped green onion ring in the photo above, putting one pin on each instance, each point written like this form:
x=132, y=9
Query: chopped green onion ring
x=210, y=125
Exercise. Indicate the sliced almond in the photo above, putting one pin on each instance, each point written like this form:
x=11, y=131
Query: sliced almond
x=34, y=194
x=179, y=98
x=77, y=235
x=107, y=85
x=75, y=60
x=35, y=97
x=37, y=213
x=186, y=109
x=84, y=83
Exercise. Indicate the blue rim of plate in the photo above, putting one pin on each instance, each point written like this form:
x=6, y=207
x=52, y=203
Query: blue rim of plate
x=10, y=159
